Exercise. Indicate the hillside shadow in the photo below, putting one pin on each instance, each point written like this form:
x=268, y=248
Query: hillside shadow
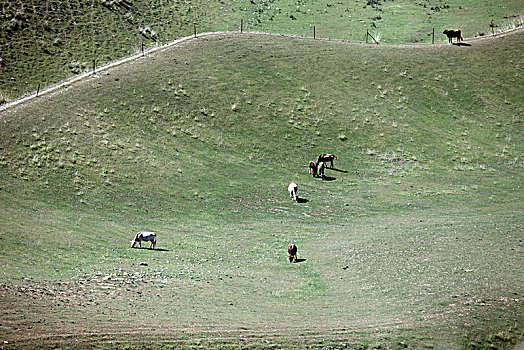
x=461, y=44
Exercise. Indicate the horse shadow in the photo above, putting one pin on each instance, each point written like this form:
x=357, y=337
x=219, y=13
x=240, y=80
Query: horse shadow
x=302, y=200
x=339, y=170
x=299, y=260
x=152, y=249
x=328, y=178
x=461, y=44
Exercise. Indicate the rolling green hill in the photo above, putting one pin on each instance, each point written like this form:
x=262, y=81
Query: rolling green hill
x=413, y=240
x=43, y=42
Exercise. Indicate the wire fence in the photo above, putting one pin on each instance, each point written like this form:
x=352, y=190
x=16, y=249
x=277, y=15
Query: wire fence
x=144, y=49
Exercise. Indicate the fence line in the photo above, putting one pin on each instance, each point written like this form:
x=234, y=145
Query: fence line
x=71, y=80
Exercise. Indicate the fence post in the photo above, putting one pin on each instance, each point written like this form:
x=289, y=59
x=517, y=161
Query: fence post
x=94, y=65
x=314, y=32
x=241, y=26
x=376, y=42
x=142, y=48
x=38, y=90
x=194, y=28
x=367, y=35
x=433, y=38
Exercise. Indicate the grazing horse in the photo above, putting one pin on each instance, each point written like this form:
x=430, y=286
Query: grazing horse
x=144, y=236
x=324, y=157
x=293, y=188
x=292, y=251
x=313, y=168
x=317, y=168
x=320, y=169
x=451, y=33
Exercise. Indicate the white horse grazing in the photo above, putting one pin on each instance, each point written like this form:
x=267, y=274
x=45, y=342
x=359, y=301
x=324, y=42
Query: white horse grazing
x=292, y=188
x=144, y=236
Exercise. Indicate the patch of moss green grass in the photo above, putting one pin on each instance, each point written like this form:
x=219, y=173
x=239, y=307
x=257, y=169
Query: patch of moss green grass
x=414, y=239
x=44, y=42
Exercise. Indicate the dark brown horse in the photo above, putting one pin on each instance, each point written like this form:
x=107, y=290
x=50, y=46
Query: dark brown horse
x=292, y=251
x=451, y=33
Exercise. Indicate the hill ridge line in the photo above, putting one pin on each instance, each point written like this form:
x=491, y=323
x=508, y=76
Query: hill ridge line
x=69, y=81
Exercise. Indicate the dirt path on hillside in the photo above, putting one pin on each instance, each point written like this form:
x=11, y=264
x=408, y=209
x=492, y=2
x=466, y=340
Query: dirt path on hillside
x=74, y=79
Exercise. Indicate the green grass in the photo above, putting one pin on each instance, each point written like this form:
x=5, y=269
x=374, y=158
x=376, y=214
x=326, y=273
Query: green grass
x=416, y=240
x=44, y=42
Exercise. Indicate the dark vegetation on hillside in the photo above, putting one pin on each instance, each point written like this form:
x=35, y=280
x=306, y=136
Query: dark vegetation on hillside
x=45, y=41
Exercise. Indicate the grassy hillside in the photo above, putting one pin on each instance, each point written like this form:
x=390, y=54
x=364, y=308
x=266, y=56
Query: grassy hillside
x=415, y=239
x=43, y=42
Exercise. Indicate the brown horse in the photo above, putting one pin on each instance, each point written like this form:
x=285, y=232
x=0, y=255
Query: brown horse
x=324, y=157
x=292, y=251
x=451, y=33
x=312, y=168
